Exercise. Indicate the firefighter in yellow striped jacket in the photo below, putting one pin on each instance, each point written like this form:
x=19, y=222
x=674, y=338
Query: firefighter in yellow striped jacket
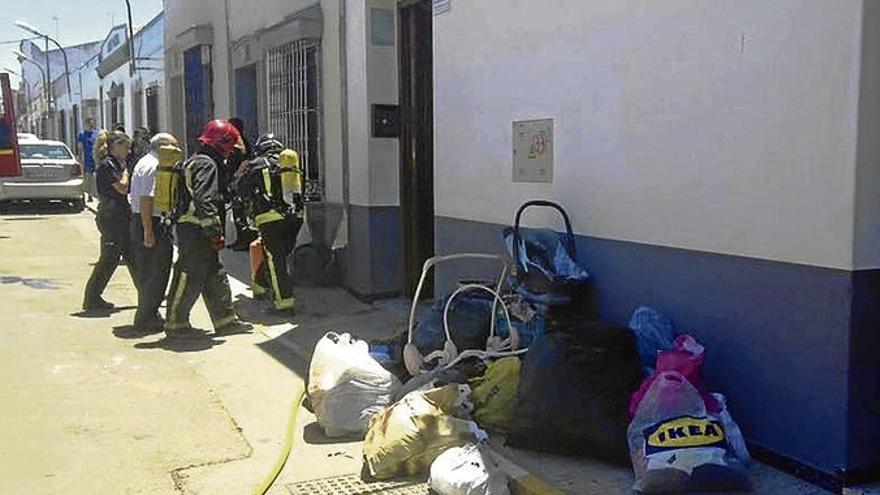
x=199, y=231
x=272, y=185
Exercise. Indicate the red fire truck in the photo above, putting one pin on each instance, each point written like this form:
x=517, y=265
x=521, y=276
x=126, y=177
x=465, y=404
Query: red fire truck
x=10, y=162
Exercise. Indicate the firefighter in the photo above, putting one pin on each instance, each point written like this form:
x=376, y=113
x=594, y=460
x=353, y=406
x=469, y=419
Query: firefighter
x=198, y=270
x=235, y=164
x=273, y=185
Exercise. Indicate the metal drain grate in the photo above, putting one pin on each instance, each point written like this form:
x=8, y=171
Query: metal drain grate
x=352, y=485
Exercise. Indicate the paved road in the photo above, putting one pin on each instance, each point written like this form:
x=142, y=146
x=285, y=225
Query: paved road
x=85, y=409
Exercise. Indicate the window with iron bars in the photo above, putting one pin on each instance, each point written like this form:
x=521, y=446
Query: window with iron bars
x=293, y=73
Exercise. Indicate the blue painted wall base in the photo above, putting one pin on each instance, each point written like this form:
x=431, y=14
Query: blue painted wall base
x=374, y=258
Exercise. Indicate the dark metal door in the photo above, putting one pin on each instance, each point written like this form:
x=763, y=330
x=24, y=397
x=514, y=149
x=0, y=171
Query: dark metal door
x=416, y=139
x=246, y=100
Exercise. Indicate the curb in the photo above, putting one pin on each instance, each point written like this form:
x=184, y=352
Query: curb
x=862, y=490
x=522, y=482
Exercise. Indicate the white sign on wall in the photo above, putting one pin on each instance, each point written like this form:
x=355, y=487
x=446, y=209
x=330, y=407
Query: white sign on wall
x=533, y=150
x=441, y=6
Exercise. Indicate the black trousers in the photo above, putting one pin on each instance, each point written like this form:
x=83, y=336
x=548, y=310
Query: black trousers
x=279, y=239
x=115, y=244
x=198, y=271
x=154, y=269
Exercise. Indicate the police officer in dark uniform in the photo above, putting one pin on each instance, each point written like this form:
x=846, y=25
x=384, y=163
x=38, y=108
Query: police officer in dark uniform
x=277, y=213
x=198, y=270
x=113, y=218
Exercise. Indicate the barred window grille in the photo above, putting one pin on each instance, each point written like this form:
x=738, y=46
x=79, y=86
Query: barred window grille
x=293, y=73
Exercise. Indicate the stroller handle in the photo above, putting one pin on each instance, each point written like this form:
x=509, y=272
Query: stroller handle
x=569, y=241
x=436, y=260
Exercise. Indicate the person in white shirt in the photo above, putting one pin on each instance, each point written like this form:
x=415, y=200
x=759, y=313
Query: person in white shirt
x=151, y=239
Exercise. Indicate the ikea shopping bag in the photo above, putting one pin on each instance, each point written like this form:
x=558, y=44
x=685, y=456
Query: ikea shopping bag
x=676, y=446
x=686, y=357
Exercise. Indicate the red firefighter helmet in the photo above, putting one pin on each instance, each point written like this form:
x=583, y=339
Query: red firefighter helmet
x=221, y=135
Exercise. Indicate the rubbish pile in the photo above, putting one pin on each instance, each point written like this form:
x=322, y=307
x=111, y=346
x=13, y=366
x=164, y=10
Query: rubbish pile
x=521, y=357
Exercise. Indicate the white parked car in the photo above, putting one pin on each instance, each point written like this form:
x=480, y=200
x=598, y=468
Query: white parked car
x=49, y=171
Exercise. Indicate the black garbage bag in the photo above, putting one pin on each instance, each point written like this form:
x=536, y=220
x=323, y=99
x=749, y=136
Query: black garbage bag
x=574, y=390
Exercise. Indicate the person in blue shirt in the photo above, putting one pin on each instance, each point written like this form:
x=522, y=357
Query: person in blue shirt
x=86, y=140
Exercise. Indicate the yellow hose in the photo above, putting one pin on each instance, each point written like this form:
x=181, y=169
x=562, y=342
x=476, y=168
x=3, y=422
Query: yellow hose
x=285, y=449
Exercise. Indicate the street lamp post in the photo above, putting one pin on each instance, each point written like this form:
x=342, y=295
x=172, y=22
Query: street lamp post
x=27, y=27
x=131, y=62
x=22, y=58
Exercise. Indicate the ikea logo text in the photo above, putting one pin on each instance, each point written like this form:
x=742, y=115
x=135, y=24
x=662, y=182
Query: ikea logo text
x=684, y=432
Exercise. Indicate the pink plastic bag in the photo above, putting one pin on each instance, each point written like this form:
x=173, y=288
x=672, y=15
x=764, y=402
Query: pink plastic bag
x=685, y=357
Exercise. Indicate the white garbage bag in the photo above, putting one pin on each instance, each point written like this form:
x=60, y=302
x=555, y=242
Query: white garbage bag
x=347, y=386
x=468, y=470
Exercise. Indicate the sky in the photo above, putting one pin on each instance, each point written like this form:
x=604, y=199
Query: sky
x=74, y=21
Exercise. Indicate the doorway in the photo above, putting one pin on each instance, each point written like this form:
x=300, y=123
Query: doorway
x=416, y=139
x=246, y=101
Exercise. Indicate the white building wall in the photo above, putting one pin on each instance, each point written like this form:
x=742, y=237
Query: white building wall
x=63, y=101
x=713, y=125
x=150, y=50
x=372, y=72
x=332, y=87
x=382, y=88
x=87, y=80
x=358, y=104
x=181, y=15
x=867, y=220
x=119, y=77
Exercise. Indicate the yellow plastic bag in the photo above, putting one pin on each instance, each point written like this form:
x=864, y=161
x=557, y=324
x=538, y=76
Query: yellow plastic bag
x=494, y=394
x=404, y=439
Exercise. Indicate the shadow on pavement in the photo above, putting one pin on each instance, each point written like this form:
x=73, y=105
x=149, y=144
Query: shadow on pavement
x=314, y=435
x=101, y=313
x=26, y=211
x=195, y=344
x=258, y=312
x=291, y=360
x=128, y=332
x=31, y=283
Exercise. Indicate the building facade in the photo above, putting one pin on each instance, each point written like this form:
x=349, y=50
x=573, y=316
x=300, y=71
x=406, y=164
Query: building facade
x=133, y=99
x=102, y=86
x=283, y=67
x=719, y=161
x=50, y=113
